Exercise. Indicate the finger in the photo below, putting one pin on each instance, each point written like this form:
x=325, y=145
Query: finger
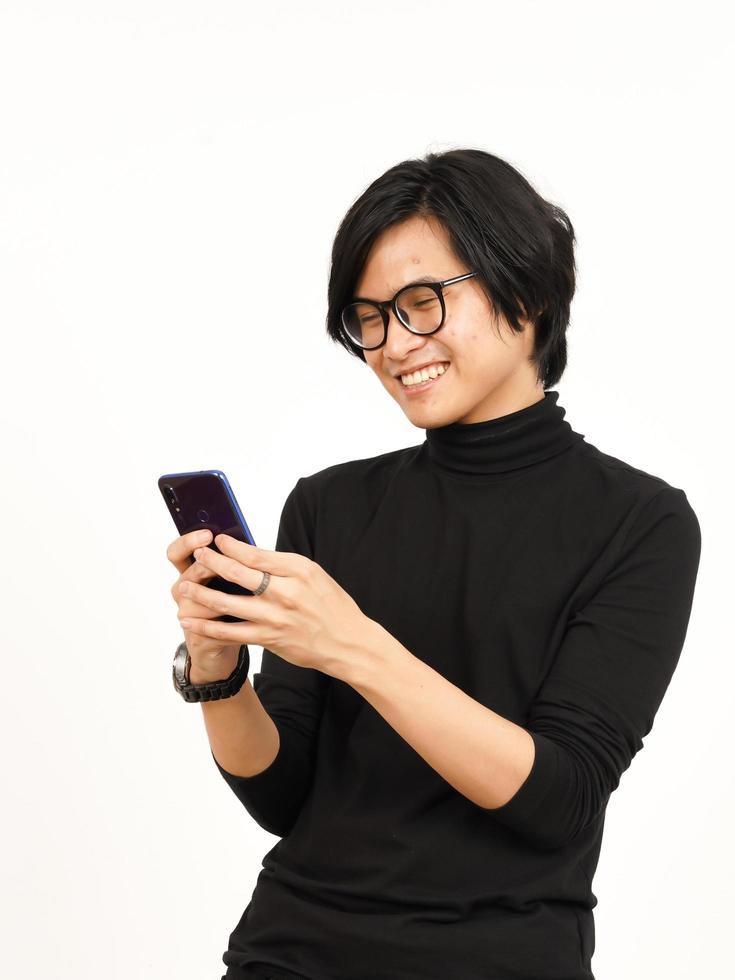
x=251, y=633
x=196, y=572
x=191, y=607
x=276, y=562
x=229, y=568
x=181, y=548
x=244, y=607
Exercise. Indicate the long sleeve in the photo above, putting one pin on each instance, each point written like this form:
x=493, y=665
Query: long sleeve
x=293, y=697
x=615, y=662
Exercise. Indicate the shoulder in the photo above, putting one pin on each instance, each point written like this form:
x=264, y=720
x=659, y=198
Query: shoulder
x=618, y=476
x=354, y=475
x=643, y=499
x=338, y=500
x=617, y=471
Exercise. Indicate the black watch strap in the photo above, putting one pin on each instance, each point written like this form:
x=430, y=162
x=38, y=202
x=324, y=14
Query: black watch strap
x=212, y=690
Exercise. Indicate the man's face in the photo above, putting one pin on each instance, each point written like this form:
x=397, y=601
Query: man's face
x=487, y=371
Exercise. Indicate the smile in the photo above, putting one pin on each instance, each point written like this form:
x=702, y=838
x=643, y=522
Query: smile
x=416, y=389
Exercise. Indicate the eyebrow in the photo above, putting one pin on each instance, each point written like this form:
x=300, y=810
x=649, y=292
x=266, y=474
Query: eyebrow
x=413, y=282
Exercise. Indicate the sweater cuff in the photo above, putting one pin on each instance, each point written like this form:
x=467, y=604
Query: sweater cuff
x=522, y=812
x=272, y=797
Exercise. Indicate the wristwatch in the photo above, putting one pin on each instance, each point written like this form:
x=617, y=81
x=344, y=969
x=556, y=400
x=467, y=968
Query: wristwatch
x=213, y=690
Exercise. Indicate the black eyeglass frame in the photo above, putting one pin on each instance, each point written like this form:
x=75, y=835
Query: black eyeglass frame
x=383, y=309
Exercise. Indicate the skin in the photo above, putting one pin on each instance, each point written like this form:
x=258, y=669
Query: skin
x=306, y=617
x=210, y=658
x=490, y=373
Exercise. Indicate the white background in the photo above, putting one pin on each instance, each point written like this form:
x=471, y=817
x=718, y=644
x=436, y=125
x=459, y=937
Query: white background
x=172, y=176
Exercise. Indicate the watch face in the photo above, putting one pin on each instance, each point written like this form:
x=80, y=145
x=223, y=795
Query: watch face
x=180, y=663
x=215, y=690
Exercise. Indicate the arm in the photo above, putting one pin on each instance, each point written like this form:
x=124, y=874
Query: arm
x=242, y=736
x=550, y=780
x=279, y=715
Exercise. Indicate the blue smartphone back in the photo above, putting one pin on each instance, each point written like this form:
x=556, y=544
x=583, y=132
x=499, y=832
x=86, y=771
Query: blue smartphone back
x=204, y=499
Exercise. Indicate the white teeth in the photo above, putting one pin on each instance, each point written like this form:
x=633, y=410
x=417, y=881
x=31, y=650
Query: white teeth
x=432, y=371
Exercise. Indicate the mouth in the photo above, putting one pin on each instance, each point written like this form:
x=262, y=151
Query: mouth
x=417, y=389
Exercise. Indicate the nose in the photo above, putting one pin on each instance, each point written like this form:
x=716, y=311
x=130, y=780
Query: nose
x=399, y=340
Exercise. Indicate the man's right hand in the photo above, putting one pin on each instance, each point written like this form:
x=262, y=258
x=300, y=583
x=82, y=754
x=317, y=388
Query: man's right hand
x=210, y=660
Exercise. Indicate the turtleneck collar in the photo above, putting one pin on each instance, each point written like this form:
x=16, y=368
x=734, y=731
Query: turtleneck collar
x=506, y=443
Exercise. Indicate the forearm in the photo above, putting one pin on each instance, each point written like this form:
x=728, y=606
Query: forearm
x=483, y=755
x=243, y=738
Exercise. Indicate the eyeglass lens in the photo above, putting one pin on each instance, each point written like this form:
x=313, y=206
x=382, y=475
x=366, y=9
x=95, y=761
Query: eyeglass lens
x=419, y=308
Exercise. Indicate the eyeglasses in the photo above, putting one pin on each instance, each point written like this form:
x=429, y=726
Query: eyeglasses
x=419, y=307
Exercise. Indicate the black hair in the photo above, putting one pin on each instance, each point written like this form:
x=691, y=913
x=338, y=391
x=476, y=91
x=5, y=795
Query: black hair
x=520, y=245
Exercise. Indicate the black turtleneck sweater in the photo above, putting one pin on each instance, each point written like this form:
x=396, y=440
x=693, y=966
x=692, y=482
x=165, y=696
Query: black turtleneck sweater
x=550, y=582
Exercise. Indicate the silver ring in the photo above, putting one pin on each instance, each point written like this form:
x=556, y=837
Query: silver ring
x=264, y=583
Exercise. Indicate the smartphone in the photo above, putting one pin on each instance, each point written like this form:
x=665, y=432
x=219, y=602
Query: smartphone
x=204, y=500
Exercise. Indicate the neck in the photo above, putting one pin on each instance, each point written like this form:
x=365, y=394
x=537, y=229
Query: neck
x=508, y=442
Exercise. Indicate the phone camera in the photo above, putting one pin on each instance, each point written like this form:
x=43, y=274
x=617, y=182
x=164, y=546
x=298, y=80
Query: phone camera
x=172, y=498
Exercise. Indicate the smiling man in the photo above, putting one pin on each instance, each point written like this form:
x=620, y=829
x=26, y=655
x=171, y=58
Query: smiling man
x=467, y=639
